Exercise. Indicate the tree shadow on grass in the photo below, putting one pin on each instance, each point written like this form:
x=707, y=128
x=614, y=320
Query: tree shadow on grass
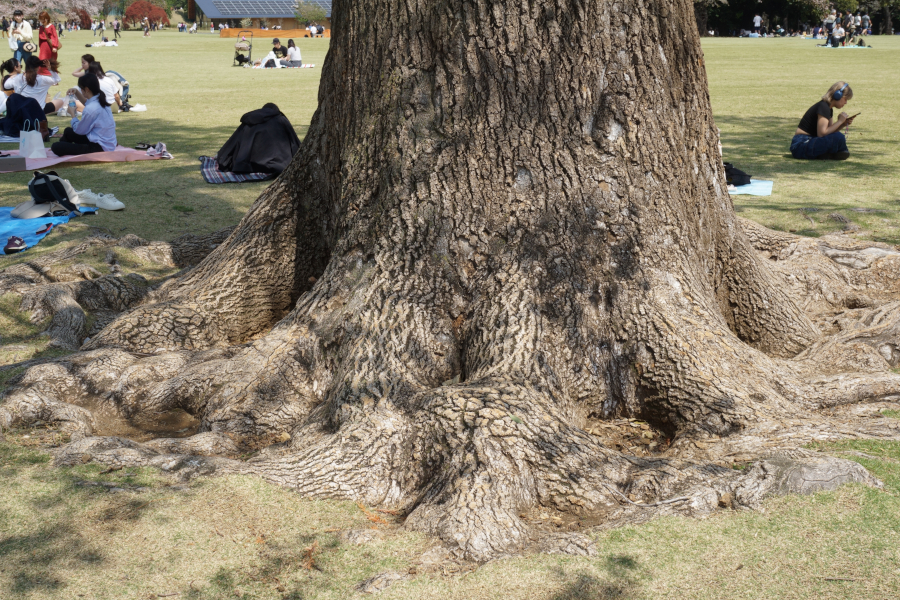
x=761, y=147
x=273, y=567
x=621, y=581
x=34, y=558
x=164, y=197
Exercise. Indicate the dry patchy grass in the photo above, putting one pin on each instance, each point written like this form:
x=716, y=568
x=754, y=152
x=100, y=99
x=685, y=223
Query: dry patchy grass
x=71, y=531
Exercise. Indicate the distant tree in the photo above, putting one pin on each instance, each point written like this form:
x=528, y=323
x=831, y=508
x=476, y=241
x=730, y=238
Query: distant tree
x=141, y=9
x=84, y=18
x=31, y=8
x=307, y=13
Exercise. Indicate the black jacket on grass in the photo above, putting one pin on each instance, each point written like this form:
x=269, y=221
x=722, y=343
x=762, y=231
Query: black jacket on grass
x=264, y=143
x=18, y=110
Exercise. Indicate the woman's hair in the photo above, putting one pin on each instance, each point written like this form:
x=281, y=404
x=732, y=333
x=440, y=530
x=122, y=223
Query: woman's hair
x=31, y=70
x=848, y=91
x=97, y=70
x=291, y=44
x=9, y=65
x=90, y=81
x=88, y=58
x=44, y=17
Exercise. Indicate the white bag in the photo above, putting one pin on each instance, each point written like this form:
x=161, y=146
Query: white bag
x=13, y=43
x=31, y=144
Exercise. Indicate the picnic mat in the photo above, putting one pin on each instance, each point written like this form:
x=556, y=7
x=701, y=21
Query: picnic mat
x=756, y=187
x=120, y=154
x=209, y=168
x=5, y=139
x=26, y=228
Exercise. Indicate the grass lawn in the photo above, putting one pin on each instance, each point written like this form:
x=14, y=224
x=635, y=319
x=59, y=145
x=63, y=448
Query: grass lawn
x=760, y=88
x=80, y=533
x=194, y=100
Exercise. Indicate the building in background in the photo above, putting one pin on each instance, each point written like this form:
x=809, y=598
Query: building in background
x=270, y=13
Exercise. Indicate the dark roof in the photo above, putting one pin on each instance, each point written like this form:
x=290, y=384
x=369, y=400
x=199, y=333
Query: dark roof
x=266, y=9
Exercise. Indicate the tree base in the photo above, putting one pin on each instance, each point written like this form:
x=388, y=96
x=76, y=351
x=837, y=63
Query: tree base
x=495, y=463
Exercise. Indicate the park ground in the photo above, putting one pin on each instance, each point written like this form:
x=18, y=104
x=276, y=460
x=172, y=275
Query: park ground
x=81, y=532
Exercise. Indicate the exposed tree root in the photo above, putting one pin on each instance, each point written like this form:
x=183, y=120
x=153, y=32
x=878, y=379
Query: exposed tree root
x=493, y=234
x=468, y=460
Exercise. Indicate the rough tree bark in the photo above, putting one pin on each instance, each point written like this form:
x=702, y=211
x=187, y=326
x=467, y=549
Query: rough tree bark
x=507, y=223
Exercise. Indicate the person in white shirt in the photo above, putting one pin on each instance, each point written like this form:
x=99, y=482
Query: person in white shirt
x=293, y=56
x=20, y=31
x=33, y=85
x=109, y=87
x=757, y=23
x=838, y=36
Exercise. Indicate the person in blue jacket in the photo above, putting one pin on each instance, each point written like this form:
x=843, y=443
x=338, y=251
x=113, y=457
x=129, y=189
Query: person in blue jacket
x=96, y=131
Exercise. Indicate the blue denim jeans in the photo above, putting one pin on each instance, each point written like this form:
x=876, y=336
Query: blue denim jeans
x=806, y=146
x=21, y=55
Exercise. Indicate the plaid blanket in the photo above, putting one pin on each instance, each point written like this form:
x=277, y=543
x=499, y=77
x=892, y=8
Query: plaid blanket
x=209, y=168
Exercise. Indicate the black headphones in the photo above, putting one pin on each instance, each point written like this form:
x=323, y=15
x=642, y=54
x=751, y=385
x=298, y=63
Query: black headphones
x=838, y=94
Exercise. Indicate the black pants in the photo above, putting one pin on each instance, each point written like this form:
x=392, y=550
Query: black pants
x=116, y=32
x=73, y=143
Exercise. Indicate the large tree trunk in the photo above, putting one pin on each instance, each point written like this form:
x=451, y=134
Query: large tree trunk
x=508, y=221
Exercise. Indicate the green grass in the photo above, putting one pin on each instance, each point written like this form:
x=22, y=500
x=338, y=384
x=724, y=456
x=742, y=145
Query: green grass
x=760, y=88
x=237, y=537
x=194, y=100
x=64, y=533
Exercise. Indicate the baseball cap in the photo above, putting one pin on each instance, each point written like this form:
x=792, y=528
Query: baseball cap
x=276, y=41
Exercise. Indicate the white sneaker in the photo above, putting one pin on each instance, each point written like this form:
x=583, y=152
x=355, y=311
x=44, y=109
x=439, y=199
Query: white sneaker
x=63, y=112
x=104, y=201
x=108, y=202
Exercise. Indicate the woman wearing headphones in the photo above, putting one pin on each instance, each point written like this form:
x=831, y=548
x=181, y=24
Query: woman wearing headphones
x=817, y=136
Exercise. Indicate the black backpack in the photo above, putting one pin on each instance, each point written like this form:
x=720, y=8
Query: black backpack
x=46, y=188
x=735, y=176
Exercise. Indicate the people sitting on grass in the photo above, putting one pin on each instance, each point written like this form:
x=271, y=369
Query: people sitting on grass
x=278, y=50
x=817, y=137
x=32, y=84
x=86, y=60
x=293, y=56
x=96, y=131
x=11, y=67
x=108, y=85
x=840, y=35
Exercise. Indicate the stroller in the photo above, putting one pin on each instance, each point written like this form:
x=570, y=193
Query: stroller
x=244, y=45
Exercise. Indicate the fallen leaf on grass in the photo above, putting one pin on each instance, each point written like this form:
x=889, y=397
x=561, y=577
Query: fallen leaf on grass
x=309, y=557
x=369, y=514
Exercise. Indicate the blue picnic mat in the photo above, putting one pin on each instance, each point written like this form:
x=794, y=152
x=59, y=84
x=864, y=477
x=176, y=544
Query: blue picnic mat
x=756, y=187
x=26, y=228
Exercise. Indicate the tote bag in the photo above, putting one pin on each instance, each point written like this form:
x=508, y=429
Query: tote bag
x=31, y=144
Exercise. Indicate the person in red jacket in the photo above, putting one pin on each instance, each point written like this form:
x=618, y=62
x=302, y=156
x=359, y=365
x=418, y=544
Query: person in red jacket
x=48, y=41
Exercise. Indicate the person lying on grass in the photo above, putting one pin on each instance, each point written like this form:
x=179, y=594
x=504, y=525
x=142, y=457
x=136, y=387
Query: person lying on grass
x=817, y=136
x=96, y=131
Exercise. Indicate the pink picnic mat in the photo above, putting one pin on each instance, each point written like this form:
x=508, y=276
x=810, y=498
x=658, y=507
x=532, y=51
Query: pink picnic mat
x=120, y=154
